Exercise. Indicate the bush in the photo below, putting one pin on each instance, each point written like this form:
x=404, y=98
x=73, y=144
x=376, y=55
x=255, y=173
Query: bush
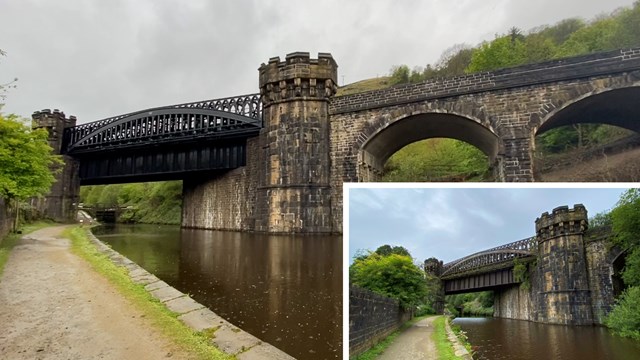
x=624, y=319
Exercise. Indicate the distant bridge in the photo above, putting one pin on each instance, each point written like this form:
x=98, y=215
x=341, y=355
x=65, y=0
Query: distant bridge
x=164, y=143
x=571, y=275
x=488, y=268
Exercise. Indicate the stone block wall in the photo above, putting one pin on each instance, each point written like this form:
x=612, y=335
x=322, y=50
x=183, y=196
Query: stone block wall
x=565, y=297
x=516, y=302
x=599, y=272
x=6, y=219
x=60, y=203
x=371, y=318
x=225, y=201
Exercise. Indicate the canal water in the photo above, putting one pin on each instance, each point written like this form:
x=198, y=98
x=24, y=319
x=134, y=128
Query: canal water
x=494, y=339
x=285, y=290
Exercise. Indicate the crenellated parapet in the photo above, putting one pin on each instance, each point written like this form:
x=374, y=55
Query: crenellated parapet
x=55, y=122
x=561, y=221
x=294, y=189
x=298, y=77
x=433, y=266
x=564, y=294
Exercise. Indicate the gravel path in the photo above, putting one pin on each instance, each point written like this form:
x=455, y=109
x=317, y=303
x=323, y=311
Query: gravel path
x=415, y=343
x=54, y=306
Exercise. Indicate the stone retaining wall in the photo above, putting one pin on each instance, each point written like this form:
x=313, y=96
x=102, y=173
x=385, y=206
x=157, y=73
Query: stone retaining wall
x=5, y=219
x=372, y=317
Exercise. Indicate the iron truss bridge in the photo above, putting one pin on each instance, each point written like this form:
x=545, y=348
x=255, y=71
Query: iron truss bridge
x=239, y=116
x=491, y=259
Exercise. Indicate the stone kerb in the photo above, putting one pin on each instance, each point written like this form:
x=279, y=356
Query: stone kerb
x=228, y=338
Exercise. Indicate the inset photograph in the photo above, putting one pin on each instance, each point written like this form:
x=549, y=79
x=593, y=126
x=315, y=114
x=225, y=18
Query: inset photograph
x=493, y=273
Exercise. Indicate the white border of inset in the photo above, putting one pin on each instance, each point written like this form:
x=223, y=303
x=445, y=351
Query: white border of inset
x=346, y=187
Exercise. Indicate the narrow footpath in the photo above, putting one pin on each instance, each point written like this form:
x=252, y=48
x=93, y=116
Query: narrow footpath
x=415, y=343
x=54, y=306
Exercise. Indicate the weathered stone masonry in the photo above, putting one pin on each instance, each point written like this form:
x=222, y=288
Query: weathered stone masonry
x=60, y=203
x=372, y=317
x=570, y=282
x=312, y=142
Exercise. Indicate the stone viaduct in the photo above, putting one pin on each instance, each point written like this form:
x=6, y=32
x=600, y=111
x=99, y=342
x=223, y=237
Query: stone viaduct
x=568, y=275
x=276, y=161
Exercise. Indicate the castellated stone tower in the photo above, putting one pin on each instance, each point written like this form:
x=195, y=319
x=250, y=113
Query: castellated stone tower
x=60, y=203
x=433, y=267
x=294, y=189
x=564, y=296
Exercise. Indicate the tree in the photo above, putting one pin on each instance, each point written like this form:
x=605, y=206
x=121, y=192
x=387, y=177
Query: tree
x=400, y=74
x=27, y=165
x=502, y=52
x=625, y=222
x=394, y=276
x=624, y=318
x=598, y=36
x=386, y=250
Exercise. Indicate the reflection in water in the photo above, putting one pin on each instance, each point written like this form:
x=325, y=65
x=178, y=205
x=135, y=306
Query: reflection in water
x=286, y=290
x=523, y=340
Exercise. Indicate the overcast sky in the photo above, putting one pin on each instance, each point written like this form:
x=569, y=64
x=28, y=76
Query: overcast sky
x=96, y=59
x=451, y=223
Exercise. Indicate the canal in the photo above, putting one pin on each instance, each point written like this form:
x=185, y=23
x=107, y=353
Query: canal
x=494, y=339
x=285, y=290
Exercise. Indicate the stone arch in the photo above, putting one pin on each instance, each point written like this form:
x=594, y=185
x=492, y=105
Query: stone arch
x=613, y=106
x=386, y=134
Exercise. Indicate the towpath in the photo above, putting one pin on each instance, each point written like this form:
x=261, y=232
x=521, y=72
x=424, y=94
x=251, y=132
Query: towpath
x=54, y=306
x=415, y=343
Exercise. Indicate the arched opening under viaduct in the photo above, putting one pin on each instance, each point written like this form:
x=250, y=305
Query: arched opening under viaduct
x=421, y=136
x=594, y=138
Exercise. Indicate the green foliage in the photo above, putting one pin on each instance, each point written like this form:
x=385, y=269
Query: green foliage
x=598, y=36
x=560, y=32
x=26, y=161
x=504, y=51
x=386, y=250
x=625, y=222
x=394, y=276
x=151, y=203
x=521, y=274
x=443, y=345
x=628, y=32
x=624, y=319
x=437, y=160
x=400, y=74
x=600, y=220
x=474, y=304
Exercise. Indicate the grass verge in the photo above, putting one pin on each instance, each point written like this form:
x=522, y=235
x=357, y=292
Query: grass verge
x=7, y=244
x=165, y=320
x=443, y=346
x=380, y=347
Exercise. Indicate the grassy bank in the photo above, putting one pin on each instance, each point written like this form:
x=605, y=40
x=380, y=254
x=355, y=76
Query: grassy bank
x=7, y=244
x=197, y=343
x=443, y=345
x=380, y=347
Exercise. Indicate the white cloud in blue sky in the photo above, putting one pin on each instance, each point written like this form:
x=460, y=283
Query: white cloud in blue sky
x=448, y=223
